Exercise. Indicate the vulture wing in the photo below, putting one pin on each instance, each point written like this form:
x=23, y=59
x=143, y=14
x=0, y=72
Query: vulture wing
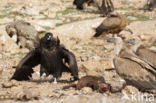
x=71, y=60
x=109, y=23
x=24, y=68
x=146, y=65
x=147, y=55
x=136, y=72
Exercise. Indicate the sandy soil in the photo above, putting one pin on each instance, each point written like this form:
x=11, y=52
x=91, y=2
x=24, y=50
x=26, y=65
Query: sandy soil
x=75, y=29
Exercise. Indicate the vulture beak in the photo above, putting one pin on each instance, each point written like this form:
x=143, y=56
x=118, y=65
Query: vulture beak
x=49, y=38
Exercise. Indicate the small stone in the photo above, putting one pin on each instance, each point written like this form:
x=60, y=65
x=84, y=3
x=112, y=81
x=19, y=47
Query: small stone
x=7, y=85
x=10, y=84
x=14, y=82
x=27, y=93
x=87, y=90
x=130, y=89
x=17, y=89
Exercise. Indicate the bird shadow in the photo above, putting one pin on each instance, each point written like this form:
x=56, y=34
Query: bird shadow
x=86, y=10
x=50, y=80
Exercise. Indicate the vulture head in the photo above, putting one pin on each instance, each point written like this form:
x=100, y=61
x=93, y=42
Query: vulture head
x=11, y=32
x=118, y=44
x=48, y=41
x=134, y=43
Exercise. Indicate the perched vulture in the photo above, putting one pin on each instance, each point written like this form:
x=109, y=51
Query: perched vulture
x=132, y=69
x=105, y=6
x=112, y=24
x=24, y=34
x=140, y=50
x=51, y=56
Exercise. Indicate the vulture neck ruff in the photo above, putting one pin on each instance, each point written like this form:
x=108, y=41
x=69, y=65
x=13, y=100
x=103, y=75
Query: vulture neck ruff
x=118, y=46
x=137, y=44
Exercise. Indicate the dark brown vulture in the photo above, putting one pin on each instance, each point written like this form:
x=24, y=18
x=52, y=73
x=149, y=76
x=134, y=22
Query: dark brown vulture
x=112, y=24
x=49, y=54
x=150, y=5
x=105, y=6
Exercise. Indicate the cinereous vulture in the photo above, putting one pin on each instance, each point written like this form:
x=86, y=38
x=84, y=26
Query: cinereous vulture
x=51, y=56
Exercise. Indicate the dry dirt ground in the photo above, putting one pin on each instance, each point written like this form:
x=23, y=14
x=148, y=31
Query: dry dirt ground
x=75, y=29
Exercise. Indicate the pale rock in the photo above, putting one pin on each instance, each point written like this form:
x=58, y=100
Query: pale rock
x=7, y=44
x=93, y=65
x=140, y=27
x=7, y=85
x=14, y=82
x=46, y=23
x=29, y=10
x=16, y=89
x=87, y=90
x=130, y=89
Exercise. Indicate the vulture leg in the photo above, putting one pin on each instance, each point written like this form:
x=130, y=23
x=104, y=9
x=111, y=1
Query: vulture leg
x=111, y=6
x=55, y=81
x=103, y=8
x=107, y=7
x=43, y=70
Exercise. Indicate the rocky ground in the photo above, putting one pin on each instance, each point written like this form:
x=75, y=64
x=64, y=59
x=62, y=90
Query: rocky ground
x=75, y=29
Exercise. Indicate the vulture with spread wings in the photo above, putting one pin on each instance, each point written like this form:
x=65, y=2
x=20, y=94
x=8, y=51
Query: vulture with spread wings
x=51, y=56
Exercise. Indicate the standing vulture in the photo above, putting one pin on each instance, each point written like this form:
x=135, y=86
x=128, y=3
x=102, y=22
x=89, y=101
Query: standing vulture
x=105, y=6
x=140, y=50
x=132, y=69
x=112, y=24
x=150, y=5
x=51, y=55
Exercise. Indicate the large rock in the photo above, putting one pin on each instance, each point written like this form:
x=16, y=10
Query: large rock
x=143, y=27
